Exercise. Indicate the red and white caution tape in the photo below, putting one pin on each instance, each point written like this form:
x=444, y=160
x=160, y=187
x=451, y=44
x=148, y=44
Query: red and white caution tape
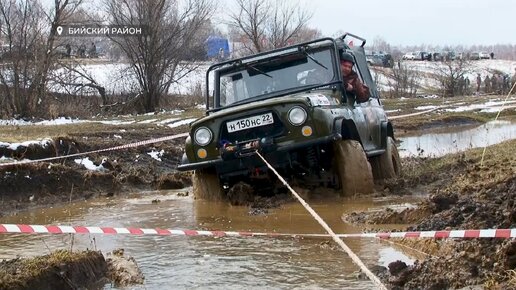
x=58, y=229
x=130, y=145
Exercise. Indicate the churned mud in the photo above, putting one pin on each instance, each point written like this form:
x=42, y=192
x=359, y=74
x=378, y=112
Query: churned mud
x=467, y=193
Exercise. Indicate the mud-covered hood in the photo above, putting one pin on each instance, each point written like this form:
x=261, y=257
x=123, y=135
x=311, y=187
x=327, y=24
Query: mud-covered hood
x=303, y=98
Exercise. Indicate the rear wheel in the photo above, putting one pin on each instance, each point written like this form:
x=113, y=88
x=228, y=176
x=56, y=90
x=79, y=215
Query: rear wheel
x=353, y=169
x=206, y=185
x=387, y=165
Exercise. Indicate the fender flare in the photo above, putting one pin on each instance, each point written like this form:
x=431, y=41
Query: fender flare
x=347, y=129
x=386, y=131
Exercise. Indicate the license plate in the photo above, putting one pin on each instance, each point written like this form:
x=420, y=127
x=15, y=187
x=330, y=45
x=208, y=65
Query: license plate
x=251, y=122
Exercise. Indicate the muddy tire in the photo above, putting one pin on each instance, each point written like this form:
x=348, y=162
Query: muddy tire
x=206, y=185
x=387, y=165
x=353, y=169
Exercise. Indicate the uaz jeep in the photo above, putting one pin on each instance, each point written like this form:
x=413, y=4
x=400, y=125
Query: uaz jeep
x=290, y=104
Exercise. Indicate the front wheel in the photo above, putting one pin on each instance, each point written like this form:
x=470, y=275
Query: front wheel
x=206, y=185
x=387, y=165
x=353, y=169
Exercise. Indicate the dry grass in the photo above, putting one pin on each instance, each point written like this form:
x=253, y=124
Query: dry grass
x=36, y=132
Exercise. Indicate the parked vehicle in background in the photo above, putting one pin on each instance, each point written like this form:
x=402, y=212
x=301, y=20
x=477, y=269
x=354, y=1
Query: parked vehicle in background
x=374, y=60
x=437, y=56
x=484, y=55
x=383, y=60
x=474, y=55
x=448, y=55
x=409, y=56
x=387, y=60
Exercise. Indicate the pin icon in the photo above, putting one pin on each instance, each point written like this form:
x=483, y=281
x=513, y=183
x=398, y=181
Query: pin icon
x=59, y=30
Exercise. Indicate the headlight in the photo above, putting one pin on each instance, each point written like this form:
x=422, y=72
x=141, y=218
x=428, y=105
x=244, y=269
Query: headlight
x=297, y=116
x=203, y=136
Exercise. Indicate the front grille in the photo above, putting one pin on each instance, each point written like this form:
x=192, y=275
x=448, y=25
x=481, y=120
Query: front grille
x=272, y=130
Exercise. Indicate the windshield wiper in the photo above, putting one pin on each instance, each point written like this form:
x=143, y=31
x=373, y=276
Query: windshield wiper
x=258, y=70
x=303, y=50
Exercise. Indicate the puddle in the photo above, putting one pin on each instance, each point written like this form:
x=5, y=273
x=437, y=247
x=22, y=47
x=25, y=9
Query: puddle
x=457, y=139
x=207, y=262
x=389, y=254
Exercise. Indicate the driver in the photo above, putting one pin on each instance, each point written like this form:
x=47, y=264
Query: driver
x=351, y=80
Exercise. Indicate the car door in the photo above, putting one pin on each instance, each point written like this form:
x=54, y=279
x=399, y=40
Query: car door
x=371, y=110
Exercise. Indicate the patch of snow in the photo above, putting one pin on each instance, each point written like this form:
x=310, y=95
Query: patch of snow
x=181, y=123
x=14, y=146
x=4, y=159
x=200, y=106
x=88, y=164
x=58, y=121
x=392, y=111
x=117, y=136
x=424, y=108
x=123, y=130
x=147, y=121
x=156, y=154
x=116, y=122
x=489, y=106
x=166, y=121
x=497, y=109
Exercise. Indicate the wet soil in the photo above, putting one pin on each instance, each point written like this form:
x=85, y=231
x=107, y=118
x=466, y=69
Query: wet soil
x=468, y=193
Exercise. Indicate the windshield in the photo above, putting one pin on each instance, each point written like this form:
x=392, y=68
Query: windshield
x=276, y=75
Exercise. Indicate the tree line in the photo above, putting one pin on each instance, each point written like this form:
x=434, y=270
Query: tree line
x=33, y=73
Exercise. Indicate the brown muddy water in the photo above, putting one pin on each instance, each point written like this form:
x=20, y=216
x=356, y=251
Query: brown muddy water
x=456, y=139
x=228, y=262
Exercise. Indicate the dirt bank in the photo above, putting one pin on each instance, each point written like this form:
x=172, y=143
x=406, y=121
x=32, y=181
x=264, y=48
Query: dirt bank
x=65, y=269
x=59, y=270
x=110, y=173
x=464, y=194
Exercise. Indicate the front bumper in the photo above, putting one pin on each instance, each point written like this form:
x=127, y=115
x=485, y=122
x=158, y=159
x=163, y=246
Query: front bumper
x=273, y=150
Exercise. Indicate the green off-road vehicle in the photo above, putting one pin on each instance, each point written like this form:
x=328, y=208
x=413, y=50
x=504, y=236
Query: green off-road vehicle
x=290, y=105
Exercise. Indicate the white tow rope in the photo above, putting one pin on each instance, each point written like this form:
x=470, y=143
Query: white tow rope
x=346, y=249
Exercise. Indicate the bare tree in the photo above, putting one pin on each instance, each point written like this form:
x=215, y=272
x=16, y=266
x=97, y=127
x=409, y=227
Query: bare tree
x=74, y=77
x=451, y=76
x=28, y=54
x=380, y=44
x=268, y=24
x=403, y=81
x=169, y=34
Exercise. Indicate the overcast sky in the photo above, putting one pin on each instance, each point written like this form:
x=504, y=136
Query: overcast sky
x=407, y=22
x=413, y=22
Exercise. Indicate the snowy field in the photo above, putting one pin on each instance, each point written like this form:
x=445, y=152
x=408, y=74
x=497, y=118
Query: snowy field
x=425, y=69
x=118, y=78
